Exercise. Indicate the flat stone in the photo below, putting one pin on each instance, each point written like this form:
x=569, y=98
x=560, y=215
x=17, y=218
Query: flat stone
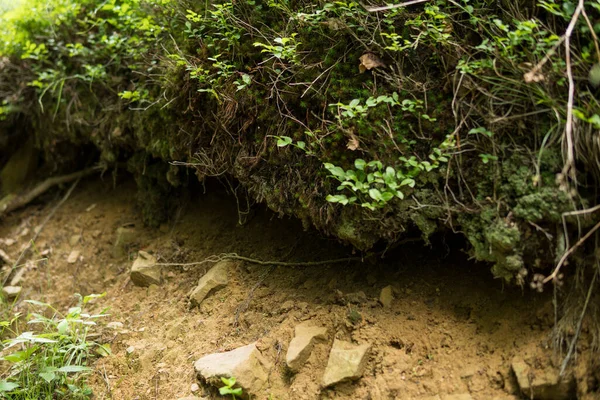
x=115, y=325
x=125, y=237
x=73, y=257
x=347, y=361
x=302, y=344
x=6, y=258
x=144, y=272
x=11, y=292
x=73, y=240
x=245, y=363
x=193, y=398
x=215, y=279
x=542, y=384
x=461, y=396
x=356, y=298
x=386, y=296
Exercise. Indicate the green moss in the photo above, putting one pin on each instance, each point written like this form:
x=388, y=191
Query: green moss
x=546, y=205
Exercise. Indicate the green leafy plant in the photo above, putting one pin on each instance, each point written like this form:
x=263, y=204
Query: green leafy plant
x=373, y=186
x=285, y=48
x=51, y=361
x=229, y=389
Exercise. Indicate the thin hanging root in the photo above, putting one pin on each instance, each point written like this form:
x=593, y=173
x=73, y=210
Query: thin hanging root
x=565, y=362
x=562, y=260
x=233, y=256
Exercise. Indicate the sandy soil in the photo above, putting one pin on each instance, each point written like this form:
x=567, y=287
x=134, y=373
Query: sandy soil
x=451, y=328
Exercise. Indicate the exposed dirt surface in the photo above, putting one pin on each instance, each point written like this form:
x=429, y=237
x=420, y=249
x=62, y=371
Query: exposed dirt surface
x=450, y=329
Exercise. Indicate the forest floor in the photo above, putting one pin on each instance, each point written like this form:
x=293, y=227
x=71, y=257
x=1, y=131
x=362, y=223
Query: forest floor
x=450, y=330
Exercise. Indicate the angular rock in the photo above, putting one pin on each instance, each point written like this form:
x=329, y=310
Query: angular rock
x=73, y=257
x=125, y=237
x=245, y=363
x=144, y=272
x=73, y=240
x=347, y=361
x=10, y=292
x=461, y=396
x=544, y=384
x=6, y=258
x=386, y=296
x=193, y=398
x=215, y=279
x=302, y=344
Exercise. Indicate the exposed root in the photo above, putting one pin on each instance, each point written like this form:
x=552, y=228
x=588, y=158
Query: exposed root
x=16, y=202
x=233, y=256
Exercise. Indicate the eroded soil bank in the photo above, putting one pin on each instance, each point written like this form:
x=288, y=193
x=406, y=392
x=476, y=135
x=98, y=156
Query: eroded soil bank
x=451, y=329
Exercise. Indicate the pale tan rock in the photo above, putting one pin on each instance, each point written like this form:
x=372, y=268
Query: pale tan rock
x=73, y=257
x=301, y=346
x=215, y=279
x=386, y=296
x=11, y=292
x=245, y=363
x=144, y=272
x=346, y=362
x=542, y=384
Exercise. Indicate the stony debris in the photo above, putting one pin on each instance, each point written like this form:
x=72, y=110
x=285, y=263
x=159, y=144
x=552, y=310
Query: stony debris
x=386, y=296
x=11, y=292
x=301, y=346
x=542, y=384
x=347, y=361
x=215, y=279
x=73, y=240
x=115, y=325
x=461, y=396
x=6, y=258
x=245, y=363
x=194, y=388
x=193, y=398
x=144, y=272
x=125, y=237
x=73, y=257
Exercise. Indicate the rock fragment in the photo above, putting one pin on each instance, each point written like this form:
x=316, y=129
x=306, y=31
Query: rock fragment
x=215, y=279
x=386, y=296
x=301, y=346
x=73, y=257
x=461, y=396
x=11, y=292
x=347, y=361
x=144, y=272
x=542, y=384
x=125, y=237
x=245, y=363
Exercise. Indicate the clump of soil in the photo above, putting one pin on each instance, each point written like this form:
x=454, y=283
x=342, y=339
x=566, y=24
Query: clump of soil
x=450, y=328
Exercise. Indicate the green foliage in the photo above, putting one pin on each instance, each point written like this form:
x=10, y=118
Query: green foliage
x=284, y=49
x=373, y=186
x=229, y=389
x=51, y=360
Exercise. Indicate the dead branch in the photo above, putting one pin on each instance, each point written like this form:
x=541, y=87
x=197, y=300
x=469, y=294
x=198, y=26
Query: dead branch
x=16, y=202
